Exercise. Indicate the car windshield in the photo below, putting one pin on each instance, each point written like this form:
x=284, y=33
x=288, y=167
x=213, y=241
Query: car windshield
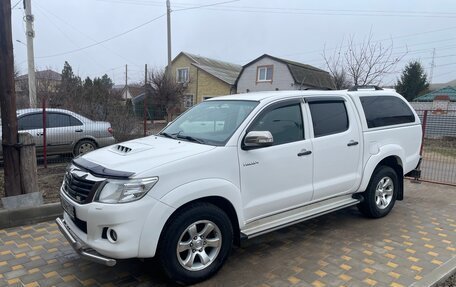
x=210, y=122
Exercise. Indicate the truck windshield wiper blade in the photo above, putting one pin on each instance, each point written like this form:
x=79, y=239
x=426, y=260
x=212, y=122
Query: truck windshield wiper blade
x=190, y=138
x=167, y=135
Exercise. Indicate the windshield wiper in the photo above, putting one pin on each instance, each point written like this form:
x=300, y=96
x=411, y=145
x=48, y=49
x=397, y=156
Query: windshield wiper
x=190, y=138
x=167, y=135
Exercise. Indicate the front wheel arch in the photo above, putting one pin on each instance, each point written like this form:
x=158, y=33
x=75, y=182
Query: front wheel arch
x=171, y=262
x=222, y=203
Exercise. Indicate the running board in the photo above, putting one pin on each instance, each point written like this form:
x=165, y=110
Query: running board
x=290, y=217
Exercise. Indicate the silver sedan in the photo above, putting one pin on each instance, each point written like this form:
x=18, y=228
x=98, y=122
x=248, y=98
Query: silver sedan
x=66, y=132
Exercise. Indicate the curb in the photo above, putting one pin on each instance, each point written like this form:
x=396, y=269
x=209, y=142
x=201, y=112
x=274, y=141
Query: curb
x=438, y=275
x=30, y=215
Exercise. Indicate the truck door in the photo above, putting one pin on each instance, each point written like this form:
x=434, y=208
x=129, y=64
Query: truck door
x=277, y=177
x=337, y=145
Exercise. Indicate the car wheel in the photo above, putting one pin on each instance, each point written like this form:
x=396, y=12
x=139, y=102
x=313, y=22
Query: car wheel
x=196, y=243
x=83, y=147
x=381, y=193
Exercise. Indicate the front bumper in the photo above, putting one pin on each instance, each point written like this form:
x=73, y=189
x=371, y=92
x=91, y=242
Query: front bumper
x=78, y=246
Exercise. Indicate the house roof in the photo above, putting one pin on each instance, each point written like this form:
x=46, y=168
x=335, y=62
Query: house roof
x=135, y=90
x=224, y=71
x=43, y=75
x=302, y=73
x=447, y=92
x=436, y=86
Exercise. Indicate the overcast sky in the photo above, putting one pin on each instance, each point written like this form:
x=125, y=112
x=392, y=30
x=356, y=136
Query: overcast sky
x=234, y=31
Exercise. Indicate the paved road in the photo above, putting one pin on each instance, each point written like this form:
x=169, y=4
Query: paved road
x=339, y=249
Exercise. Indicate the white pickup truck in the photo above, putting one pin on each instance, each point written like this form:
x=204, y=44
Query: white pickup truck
x=235, y=167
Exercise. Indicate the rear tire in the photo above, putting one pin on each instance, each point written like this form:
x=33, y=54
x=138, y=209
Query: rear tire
x=196, y=243
x=381, y=193
x=83, y=147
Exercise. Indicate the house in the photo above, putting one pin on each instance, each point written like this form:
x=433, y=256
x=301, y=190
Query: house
x=47, y=81
x=438, y=86
x=268, y=73
x=440, y=100
x=128, y=92
x=203, y=77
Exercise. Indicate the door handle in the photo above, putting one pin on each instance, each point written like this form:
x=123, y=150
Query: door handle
x=78, y=131
x=352, y=143
x=39, y=134
x=304, y=152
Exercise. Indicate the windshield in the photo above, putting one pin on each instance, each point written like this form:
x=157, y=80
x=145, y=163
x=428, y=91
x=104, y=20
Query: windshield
x=210, y=122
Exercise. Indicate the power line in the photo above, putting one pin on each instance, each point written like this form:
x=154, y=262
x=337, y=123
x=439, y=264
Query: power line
x=84, y=34
x=17, y=3
x=324, y=13
x=180, y=4
x=63, y=33
x=105, y=40
x=205, y=6
x=130, y=30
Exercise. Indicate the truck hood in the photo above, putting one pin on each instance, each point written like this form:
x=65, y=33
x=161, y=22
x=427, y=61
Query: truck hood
x=144, y=154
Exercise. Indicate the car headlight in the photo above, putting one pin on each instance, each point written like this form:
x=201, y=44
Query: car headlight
x=121, y=191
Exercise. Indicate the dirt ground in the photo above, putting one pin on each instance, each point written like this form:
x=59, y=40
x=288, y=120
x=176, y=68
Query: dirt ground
x=49, y=181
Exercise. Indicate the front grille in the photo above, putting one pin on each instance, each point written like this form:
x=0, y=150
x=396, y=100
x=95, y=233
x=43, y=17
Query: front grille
x=79, y=189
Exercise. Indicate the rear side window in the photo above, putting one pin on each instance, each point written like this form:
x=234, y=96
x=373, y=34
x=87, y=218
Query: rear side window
x=328, y=117
x=386, y=111
x=30, y=122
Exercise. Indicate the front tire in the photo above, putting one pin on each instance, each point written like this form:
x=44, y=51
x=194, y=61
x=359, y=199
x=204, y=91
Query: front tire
x=196, y=243
x=381, y=193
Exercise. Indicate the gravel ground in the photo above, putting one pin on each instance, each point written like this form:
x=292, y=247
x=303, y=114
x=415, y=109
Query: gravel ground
x=450, y=282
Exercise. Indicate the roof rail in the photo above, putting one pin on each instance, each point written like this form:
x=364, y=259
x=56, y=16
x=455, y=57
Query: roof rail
x=355, y=88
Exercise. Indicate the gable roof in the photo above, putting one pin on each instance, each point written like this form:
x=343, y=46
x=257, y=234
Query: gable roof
x=43, y=75
x=302, y=73
x=447, y=92
x=224, y=71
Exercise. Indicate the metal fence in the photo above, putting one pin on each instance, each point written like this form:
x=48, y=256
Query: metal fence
x=60, y=134
x=439, y=146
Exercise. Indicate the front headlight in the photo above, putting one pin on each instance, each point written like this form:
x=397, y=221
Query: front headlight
x=121, y=191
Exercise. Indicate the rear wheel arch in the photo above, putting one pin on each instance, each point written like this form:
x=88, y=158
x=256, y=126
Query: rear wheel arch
x=395, y=163
x=82, y=140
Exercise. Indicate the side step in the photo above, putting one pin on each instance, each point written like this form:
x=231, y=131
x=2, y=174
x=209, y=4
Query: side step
x=290, y=217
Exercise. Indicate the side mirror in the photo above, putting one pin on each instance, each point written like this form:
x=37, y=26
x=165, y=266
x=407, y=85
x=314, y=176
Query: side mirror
x=257, y=139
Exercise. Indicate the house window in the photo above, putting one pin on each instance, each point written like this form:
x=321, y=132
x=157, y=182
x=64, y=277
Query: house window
x=182, y=75
x=188, y=101
x=264, y=73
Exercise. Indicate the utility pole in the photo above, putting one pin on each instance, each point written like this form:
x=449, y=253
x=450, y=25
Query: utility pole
x=11, y=159
x=126, y=82
x=146, y=110
x=431, y=73
x=168, y=19
x=29, y=18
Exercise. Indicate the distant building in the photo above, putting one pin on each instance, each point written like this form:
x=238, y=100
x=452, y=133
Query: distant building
x=268, y=73
x=438, y=86
x=441, y=100
x=128, y=92
x=203, y=77
x=47, y=82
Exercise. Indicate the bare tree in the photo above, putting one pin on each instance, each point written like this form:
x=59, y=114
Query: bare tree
x=363, y=64
x=167, y=94
x=337, y=70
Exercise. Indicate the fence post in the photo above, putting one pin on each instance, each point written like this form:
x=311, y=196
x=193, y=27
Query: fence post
x=28, y=163
x=145, y=114
x=44, y=133
x=423, y=126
